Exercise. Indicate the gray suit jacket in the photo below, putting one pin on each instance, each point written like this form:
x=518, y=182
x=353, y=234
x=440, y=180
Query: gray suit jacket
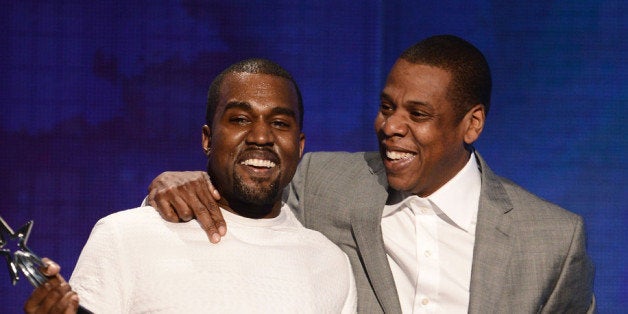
x=529, y=255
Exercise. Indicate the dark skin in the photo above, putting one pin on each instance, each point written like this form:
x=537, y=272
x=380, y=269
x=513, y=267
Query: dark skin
x=423, y=144
x=254, y=144
x=190, y=190
x=182, y=196
x=255, y=141
x=55, y=295
x=178, y=190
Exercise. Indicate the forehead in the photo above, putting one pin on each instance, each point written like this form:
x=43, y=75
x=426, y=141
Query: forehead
x=258, y=89
x=416, y=80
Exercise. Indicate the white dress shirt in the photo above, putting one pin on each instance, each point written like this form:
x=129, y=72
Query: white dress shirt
x=429, y=243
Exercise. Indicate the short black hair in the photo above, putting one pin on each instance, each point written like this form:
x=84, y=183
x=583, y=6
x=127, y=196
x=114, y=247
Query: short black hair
x=253, y=66
x=471, y=77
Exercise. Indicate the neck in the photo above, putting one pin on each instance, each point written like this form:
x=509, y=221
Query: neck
x=248, y=210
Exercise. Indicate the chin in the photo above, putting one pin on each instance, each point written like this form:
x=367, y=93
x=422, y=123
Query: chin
x=397, y=185
x=401, y=185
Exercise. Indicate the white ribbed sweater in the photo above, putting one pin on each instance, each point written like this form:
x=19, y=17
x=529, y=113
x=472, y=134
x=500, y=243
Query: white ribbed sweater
x=136, y=262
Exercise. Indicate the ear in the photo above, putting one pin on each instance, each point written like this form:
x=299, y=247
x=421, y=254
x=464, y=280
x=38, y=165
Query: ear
x=474, y=121
x=301, y=144
x=206, y=140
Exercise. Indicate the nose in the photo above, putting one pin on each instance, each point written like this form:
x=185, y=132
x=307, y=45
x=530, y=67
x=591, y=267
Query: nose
x=394, y=125
x=261, y=134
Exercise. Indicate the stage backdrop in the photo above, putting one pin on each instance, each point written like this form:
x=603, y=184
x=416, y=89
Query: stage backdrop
x=98, y=97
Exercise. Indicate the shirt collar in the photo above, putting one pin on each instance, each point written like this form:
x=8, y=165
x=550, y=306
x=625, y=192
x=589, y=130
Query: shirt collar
x=460, y=197
x=455, y=202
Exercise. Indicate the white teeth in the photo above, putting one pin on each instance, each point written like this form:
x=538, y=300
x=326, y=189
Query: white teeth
x=397, y=155
x=258, y=163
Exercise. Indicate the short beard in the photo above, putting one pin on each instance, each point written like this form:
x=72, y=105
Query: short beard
x=256, y=195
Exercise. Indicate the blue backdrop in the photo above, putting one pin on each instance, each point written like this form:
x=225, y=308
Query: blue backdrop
x=98, y=97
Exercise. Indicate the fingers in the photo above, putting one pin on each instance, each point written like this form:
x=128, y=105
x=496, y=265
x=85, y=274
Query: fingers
x=211, y=221
x=165, y=195
x=50, y=268
x=219, y=221
x=54, y=296
x=209, y=202
x=164, y=208
x=58, y=298
x=207, y=211
x=35, y=299
x=185, y=195
x=212, y=190
x=183, y=208
x=67, y=304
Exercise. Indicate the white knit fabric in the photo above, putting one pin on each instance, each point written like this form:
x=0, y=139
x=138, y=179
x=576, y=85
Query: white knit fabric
x=135, y=262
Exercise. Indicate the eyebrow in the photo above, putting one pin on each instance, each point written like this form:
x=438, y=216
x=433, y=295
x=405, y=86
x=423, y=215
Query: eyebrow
x=238, y=105
x=242, y=105
x=284, y=111
x=386, y=97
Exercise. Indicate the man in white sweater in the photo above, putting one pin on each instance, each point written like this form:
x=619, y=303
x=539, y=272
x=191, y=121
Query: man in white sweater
x=134, y=261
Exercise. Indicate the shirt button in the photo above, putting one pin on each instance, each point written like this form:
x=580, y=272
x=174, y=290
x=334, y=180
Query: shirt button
x=425, y=301
x=427, y=253
x=423, y=211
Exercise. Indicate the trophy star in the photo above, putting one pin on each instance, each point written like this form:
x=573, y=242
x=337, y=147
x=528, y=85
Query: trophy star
x=23, y=258
x=7, y=234
x=22, y=235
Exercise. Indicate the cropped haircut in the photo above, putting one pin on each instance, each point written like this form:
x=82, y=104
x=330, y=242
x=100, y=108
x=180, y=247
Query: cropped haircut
x=470, y=74
x=253, y=66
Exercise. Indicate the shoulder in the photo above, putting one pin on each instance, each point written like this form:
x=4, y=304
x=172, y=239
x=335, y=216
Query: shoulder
x=533, y=207
x=317, y=242
x=309, y=237
x=130, y=216
x=344, y=162
x=341, y=156
x=514, y=198
x=541, y=234
x=528, y=214
x=545, y=244
x=136, y=221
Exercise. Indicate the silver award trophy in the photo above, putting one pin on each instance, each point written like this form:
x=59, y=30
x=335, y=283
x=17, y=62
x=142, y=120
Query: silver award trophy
x=23, y=258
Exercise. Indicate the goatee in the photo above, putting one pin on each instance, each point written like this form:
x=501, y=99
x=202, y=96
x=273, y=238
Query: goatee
x=259, y=194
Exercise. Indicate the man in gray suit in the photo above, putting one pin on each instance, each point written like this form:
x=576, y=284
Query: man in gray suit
x=427, y=225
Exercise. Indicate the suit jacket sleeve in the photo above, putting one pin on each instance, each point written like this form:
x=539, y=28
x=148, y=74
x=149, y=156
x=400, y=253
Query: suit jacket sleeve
x=529, y=254
x=574, y=289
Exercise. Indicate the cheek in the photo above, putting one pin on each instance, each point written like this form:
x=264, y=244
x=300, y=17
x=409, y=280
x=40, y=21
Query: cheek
x=294, y=151
x=426, y=134
x=379, y=119
x=289, y=150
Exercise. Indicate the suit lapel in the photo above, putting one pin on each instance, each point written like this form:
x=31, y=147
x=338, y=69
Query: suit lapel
x=492, y=243
x=366, y=223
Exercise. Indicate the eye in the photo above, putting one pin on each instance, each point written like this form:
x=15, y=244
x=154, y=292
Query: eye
x=385, y=108
x=241, y=120
x=280, y=124
x=418, y=113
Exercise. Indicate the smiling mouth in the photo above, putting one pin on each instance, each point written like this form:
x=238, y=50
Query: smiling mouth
x=393, y=155
x=258, y=163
